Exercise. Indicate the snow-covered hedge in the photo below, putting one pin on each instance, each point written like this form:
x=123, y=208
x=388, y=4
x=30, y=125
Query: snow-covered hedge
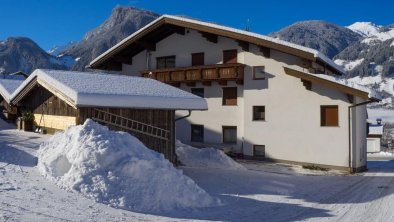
x=205, y=157
x=117, y=169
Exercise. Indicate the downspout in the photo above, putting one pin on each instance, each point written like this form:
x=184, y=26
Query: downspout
x=350, y=133
x=184, y=117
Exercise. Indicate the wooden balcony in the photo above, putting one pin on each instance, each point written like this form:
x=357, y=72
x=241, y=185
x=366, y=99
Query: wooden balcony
x=221, y=73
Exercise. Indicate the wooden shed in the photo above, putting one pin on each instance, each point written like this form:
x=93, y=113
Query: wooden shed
x=143, y=107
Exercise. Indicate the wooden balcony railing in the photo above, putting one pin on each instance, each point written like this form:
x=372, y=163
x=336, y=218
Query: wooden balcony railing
x=205, y=74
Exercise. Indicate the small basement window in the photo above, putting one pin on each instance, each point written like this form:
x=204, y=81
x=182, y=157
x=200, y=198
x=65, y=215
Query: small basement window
x=198, y=92
x=258, y=113
x=165, y=62
x=329, y=116
x=229, y=96
x=259, y=150
x=229, y=134
x=197, y=133
x=258, y=72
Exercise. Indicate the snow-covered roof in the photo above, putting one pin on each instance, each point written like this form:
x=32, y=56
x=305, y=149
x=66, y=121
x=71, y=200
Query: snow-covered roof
x=314, y=52
x=85, y=89
x=349, y=87
x=375, y=129
x=7, y=87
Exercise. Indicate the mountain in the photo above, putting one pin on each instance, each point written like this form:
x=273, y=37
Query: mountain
x=325, y=37
x=373, y=55
x=57, y=49
x=122, y=22
x=22, y=54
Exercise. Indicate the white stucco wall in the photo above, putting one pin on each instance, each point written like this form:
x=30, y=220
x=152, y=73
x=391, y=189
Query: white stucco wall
x=292, y=128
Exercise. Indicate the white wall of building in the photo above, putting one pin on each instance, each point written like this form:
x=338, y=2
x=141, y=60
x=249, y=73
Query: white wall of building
x=292, y=128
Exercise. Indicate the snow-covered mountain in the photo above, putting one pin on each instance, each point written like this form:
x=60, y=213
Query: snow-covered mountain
x=57, y=49
x=371, y=32
x=23, y=54
x=122, y=22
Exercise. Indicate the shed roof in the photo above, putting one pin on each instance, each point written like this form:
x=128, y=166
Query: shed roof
x=86, y=89
x=175, y=21
x=7, y=87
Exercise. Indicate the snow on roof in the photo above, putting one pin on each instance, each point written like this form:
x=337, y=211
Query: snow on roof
x=109, y=90
x=8, y=86
x=375, y=130
x=316, y=53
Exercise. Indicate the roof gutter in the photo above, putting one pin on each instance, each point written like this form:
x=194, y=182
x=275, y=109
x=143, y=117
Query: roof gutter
x=351, y=169
x=184, y=117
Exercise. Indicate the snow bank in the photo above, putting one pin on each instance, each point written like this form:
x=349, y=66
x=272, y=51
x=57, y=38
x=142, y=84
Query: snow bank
x=205, y=157
x=115, y=168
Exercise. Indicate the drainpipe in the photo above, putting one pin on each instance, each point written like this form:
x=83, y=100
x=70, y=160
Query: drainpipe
x=350, y=133
x=184, y=117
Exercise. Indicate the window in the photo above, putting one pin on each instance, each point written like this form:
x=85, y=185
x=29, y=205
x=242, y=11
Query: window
x=197, y=133
x=258, y=113
x=259, y=150
x=229, y=96
x=198, y=92
x=230, y=56
x=259, y=72
x=230, y=134
x=165, y=62
x=198, y=59
x=329, y=115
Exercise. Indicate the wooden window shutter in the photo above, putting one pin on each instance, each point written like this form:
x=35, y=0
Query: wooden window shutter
x=230, y=96
x=198, y=59
x=329, y=116
x=230, y=56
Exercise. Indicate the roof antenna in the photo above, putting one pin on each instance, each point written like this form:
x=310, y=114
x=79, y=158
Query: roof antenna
x=247, y=25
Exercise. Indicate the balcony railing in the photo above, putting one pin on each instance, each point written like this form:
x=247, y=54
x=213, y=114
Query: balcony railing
x=205, y=74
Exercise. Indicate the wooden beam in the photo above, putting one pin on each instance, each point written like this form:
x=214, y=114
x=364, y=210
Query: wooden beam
x=123, y=59
x=350, y=98
x=307, y=84
x=222, y=82
x=147, y=45
x=192, y=84
x=244, y=45
x=207, y=83
x=210, y=37
x=266, y=51
x=179, y=30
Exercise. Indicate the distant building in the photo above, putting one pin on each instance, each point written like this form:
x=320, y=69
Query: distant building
x=267, y=98
x=375, y=134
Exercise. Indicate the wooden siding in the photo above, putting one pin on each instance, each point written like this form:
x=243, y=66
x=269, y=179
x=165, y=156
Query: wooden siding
x=164, y=119
x=41, y=101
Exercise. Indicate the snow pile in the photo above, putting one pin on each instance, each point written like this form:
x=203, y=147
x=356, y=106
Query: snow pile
x=382, y=153
x=205, y=157
x=115, y=168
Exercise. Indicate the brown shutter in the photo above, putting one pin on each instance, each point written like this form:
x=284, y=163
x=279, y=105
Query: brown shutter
x=329, y=116
x=230, y=56
x=230, y=96
x=198, y=59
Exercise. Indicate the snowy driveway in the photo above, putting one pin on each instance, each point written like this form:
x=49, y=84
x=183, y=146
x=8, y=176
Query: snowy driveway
x=258, y=194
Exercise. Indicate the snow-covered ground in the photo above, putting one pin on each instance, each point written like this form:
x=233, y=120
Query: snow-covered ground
x=263, y=192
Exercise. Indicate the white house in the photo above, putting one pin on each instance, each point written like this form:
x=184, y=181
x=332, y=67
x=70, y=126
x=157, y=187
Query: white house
x=267, y=98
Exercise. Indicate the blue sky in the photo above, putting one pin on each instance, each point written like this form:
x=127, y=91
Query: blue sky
x=51, y=22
